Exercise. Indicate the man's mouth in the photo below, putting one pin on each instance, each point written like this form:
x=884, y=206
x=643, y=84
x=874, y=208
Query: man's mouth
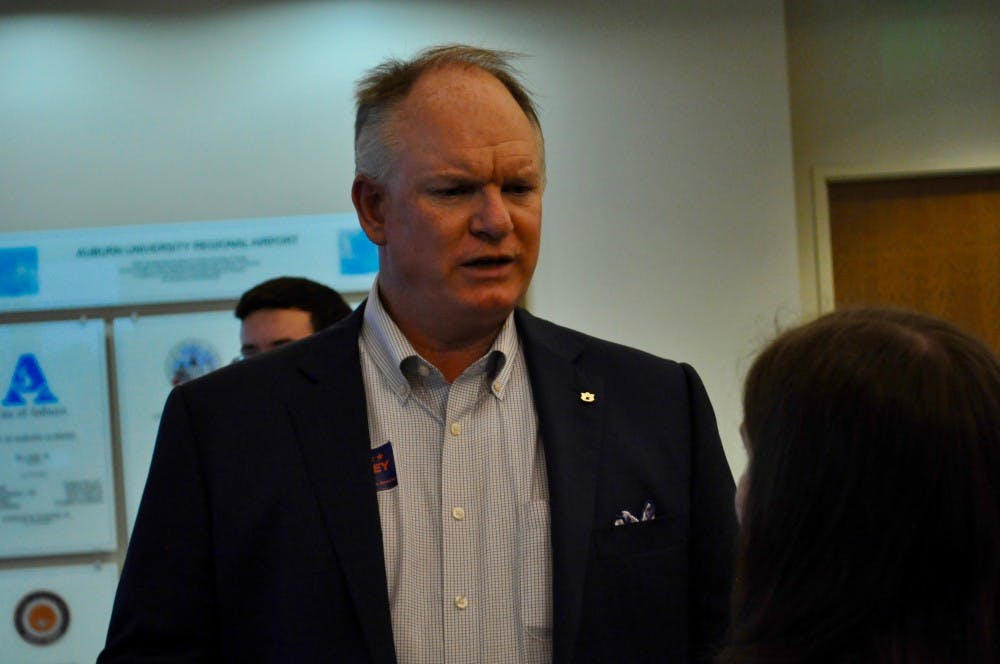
x=489, y=261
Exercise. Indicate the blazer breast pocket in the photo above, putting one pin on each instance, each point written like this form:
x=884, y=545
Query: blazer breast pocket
x=653, y=537
x=637, y=582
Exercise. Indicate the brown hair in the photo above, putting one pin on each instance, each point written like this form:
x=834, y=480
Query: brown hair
x=871, y=528
x=386, y=85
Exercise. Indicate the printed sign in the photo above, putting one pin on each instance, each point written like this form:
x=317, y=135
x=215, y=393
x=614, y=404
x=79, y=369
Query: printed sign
x=152, y=355
x=182, y=262
x=56, y=490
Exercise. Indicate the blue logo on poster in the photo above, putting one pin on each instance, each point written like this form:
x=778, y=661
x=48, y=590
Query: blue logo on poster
x=18, y=271
x=357, y=253
x=28, y=379
x=190, y=359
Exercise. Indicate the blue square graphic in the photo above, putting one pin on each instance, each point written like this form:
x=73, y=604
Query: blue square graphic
x=18, y=271
x=357, y=253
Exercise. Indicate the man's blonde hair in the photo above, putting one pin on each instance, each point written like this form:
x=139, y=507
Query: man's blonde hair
x=386, y=85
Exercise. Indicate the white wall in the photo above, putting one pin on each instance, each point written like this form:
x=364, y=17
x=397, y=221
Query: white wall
x=669, y=220
x=889, y=87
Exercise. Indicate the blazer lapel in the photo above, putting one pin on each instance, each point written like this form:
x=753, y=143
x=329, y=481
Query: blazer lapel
x=569, y=405
x=329, y=414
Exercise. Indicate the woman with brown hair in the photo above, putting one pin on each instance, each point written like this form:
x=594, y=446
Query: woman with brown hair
x=870, y=507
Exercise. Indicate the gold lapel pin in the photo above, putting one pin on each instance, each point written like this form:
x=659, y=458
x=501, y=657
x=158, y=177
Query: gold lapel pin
x=587, y=397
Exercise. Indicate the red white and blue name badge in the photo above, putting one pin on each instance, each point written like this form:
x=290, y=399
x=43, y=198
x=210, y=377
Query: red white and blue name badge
x=384, y=467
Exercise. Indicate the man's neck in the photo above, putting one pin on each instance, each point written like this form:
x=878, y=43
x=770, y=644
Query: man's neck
x=451, y=356
x=453, y=362
x=453, y=347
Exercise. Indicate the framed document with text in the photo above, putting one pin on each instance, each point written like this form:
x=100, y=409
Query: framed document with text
x=152, y=355
x=56, y=490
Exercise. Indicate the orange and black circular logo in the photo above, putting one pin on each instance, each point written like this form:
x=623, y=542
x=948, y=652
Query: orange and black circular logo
x=41, y=618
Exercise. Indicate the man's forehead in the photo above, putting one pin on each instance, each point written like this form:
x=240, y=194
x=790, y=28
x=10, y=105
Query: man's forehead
x=457, y=88
x=450, y=80
x=429, y=159
x=461, y=116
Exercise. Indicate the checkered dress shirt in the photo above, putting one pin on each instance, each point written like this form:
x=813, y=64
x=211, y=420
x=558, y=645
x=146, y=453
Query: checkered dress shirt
x=466, y=529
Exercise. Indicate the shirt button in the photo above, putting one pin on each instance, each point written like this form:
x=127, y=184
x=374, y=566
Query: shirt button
x=457, y=513
x=497, y=387
x=424, y=371
x=461, y=601
x=456, y=429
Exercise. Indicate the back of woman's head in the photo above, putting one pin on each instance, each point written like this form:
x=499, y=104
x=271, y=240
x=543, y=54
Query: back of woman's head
x=871, y=522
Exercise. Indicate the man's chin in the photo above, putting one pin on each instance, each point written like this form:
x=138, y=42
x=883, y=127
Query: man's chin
x=492, y=310
x=501, y=303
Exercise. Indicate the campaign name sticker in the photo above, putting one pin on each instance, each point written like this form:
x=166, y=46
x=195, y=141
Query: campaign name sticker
x=384, y=467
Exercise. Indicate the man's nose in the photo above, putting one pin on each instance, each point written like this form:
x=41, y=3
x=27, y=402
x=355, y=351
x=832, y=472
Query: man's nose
x=492, y=219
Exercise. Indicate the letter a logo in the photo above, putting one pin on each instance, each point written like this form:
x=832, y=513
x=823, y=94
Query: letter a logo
x=28, y=379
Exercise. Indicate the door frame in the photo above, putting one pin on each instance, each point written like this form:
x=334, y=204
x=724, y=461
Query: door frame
x=823, y=176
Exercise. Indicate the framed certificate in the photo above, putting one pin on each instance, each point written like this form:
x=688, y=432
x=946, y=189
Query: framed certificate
x=152, y=355
x=56, y=489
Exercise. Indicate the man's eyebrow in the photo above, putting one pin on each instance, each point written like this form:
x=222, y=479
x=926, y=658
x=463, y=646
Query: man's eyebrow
x=449, y=171
x=451, y=177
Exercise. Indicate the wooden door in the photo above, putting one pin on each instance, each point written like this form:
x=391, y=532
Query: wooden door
x=930, y=244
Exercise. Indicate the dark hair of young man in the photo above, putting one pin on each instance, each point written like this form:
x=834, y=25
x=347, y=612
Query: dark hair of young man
x=324, y=305
x=871, y=522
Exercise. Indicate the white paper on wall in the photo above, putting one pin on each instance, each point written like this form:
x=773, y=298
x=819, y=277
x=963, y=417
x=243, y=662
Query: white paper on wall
x=56, y=489
x=152, y=355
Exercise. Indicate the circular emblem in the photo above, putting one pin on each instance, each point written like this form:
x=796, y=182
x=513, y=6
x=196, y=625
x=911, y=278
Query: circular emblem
x=41, y=618
x=190, y=359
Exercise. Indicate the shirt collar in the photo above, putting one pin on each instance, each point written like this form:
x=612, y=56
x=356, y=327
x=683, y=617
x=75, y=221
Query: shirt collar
x=396, y=358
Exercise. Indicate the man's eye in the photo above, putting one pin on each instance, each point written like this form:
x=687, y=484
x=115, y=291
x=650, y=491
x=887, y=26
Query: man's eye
x=518, y=189
x=452, y=192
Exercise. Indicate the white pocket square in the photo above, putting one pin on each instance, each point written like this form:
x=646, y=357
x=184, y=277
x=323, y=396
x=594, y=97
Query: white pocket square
x=648, y=514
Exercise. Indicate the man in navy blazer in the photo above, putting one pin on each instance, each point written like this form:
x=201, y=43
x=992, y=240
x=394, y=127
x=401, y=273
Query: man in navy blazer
x=261, y=534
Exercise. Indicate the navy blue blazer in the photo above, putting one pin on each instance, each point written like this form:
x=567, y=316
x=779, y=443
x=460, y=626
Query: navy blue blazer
x=258, y=536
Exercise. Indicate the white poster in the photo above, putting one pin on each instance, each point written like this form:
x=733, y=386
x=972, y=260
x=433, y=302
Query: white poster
x=180, y=262
x=152, y=354
x=56, y=489
x=55, y=615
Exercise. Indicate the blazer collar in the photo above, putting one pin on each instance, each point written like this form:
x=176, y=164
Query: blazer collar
x=331, y=424
x=568, y=401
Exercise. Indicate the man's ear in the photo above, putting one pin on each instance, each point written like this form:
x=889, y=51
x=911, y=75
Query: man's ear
x=369, y=200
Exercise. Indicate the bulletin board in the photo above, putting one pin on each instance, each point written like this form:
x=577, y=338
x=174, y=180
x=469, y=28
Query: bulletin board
x=97, y=325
